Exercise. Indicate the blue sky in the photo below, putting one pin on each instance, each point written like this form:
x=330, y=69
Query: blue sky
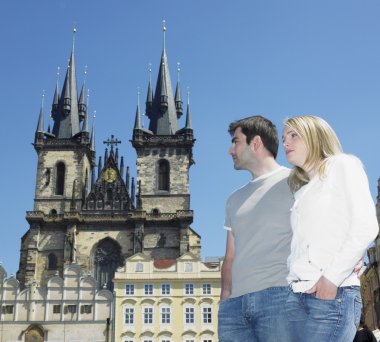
x=271, y=57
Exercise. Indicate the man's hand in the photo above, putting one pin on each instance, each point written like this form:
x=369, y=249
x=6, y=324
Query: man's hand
x=324, y=289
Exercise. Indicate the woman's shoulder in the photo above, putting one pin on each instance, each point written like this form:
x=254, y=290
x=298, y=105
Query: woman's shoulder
x=343, y=161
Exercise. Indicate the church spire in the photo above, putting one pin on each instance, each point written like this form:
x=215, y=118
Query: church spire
x=66, y=121
x=82, y=105
x=178, y=99
x=40, y=125
x=92, y=139
x=137, y=118
x=188, y=119
x=163, y=120
x=149, y=96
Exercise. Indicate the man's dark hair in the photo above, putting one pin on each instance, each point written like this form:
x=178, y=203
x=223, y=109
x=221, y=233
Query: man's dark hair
x=258, y=125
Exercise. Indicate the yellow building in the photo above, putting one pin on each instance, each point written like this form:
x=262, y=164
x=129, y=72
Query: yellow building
x=172, y=300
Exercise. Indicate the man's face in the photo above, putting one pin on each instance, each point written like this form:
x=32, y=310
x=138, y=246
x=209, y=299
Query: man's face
x=240, y=151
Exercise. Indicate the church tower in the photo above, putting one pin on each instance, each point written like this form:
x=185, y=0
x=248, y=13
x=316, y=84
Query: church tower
x=164, y=156
x=90, y=211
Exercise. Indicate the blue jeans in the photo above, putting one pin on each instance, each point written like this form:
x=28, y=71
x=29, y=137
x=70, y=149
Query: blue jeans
x=315, y=320
x=256, y=316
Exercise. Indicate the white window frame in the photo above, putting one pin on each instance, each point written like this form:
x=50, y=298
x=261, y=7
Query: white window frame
x=132, y=287
x=166, y=289
x=146, y=314
x=148, y=288
x=207, y=289
x=207, y=314
x=139, y=267
x=165, y=313
x=186, y=312
x=189, y=289
x=188, y=267
x=131, y=310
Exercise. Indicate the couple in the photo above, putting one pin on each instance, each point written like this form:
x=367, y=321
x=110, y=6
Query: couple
x=294, y=237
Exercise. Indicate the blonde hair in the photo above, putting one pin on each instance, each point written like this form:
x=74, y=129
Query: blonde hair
x=321, y=143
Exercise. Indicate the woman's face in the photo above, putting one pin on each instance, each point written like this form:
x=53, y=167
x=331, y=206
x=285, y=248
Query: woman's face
x=295, y=149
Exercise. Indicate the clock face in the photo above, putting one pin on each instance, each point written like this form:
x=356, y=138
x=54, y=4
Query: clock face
x=109, y=175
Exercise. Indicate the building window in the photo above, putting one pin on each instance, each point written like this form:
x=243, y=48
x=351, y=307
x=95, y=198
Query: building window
x=72, y=309
x=148, y=289
x=165, y=289
x=52, y=261
x=148, y=340
x=206, y=315
x=207, y=340
x=206, y=289
x=56, y=309
x=189, y=340
x=86, y=309
x=139, y=267
x=166, y=340
x=148, y=315
x=189, y=315
x=189, y=289
x=188, y=267
x=163, y=175
x=7, y=309
x=60, y=181
x=165, y=315
x=129, y=316
x=130, y=289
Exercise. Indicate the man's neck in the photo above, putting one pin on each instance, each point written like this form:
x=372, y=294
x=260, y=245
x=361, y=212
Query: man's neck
x=266, y=165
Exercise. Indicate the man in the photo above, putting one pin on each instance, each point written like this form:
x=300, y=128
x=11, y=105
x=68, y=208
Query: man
x=254, y=286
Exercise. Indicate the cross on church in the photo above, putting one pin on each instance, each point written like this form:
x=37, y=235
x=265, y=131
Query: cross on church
x=112, y=141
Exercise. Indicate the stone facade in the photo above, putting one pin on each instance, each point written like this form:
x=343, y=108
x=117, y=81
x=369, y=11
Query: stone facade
x=66, y=309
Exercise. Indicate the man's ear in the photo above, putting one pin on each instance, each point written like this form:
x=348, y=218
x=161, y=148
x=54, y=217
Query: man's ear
x=256, y=142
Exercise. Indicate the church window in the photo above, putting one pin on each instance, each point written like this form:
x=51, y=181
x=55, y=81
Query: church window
x=60, y=181
x=107, y=259
x=163, y=175
x=155, y=211
x=52, y=261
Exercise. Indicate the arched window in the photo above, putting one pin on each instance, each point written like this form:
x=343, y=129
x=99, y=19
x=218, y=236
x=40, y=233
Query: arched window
x=52, y=261
x=60, y=183
x=163, y=175
x=34, y=334
x=107, y=259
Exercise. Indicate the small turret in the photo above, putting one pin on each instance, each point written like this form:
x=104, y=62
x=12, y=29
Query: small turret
x=177, y=97
x=149, y=97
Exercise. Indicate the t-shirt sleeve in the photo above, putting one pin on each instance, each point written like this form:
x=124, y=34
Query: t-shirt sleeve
x=227, y=217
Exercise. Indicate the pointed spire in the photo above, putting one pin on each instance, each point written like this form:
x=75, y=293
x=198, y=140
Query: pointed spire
x=100, y=166
x=40, y=125
x=163, y=119
x=92, y=178
x=105, y=156
x=66, y=121
x=54, y=107
x=149, y=97
x=178, y=99
x=164, y=33
x=121, y=165
x=127, y=179
x=188, y=119
x=137, y=119
x=82, y=105
x=117, y=156
x=85, y=123
x=133, y=192
x=92, y=139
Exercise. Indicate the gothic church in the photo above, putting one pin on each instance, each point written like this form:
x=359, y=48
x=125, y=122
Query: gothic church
x=88, y=210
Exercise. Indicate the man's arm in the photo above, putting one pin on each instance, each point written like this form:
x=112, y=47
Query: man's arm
x=227, y=267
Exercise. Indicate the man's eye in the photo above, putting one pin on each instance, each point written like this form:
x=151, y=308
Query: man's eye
x=294, y=135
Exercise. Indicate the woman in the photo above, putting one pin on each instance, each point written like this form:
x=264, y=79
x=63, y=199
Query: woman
x=333, y=220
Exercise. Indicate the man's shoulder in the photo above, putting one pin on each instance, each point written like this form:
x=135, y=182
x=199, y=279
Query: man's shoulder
x=281, y=174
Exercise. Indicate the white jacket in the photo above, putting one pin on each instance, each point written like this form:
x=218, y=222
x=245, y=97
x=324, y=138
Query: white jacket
x=333, y=221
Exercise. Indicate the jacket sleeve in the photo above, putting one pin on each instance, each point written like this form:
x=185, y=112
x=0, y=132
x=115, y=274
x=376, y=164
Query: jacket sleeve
x=348, y=176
